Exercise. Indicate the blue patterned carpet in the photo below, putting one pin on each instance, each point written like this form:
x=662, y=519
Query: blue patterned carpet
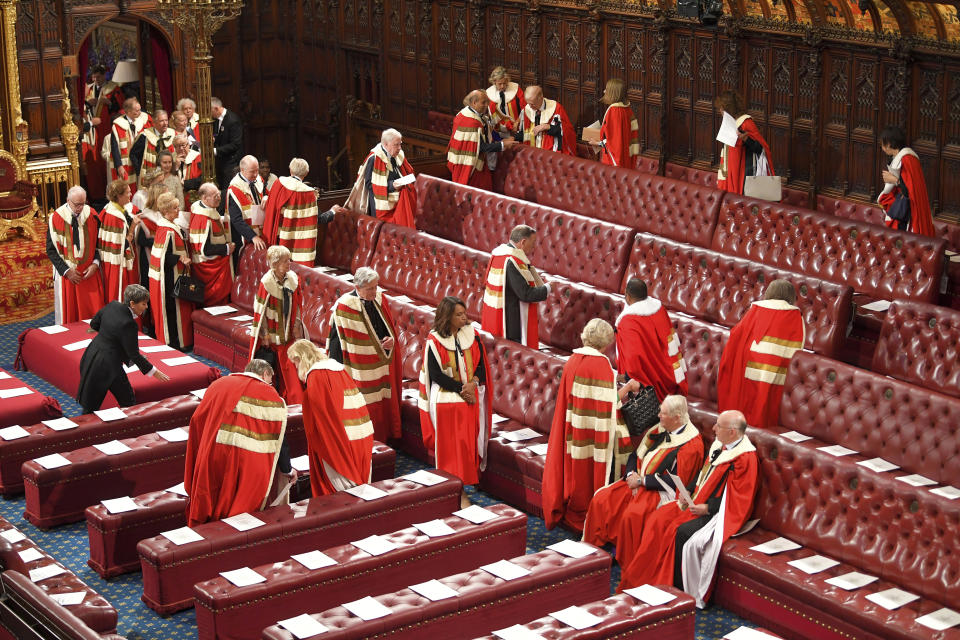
x=68, y=543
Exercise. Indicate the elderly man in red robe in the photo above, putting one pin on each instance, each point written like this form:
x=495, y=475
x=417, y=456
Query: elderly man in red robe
x=72, y=248
x=648, y=350
x=335, y=418
x=387, y=182
x=589, y=443
x=750, y=156
x=235, y=448
x=513, y=290
x=211, y=246
x=471, y=154
x=290, y=219
x=681, y=540
x=123, y=135
x=544, y=124
x=904, y=178
x=755, y=359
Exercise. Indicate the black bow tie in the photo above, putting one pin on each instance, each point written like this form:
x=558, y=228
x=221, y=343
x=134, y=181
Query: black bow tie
x=715, y=454
x=658, y=438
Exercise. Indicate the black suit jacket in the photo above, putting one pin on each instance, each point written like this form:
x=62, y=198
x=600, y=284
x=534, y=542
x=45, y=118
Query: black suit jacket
x=228, y=142
x=115, y=345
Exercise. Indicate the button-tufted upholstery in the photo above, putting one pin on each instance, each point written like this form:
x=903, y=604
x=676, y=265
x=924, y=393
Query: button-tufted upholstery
x=226, y=611
x=719, y=288
x=439, y=122
x=795, y=197
x=849, y=209
x=94, y=611
x=703, y=177
x=349, y=241
x=568, y=308
x=169, y=571
x=701, y=344
x=486, y=602
x=873, y=414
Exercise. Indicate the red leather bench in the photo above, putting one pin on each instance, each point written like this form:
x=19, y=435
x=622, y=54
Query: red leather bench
x=349, y=241
x=142, y=418
x=225, y=611
x=170, y=571
x=485, y=602
x=849, y=209
x=95, y=612
x=32, y=603
x=113, y=537
x=703, y=177
x=26, y=409
x=625, y=618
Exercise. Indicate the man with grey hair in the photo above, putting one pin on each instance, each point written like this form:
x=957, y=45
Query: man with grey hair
x=245, y=204
x=188, y=107
x=544, y=124
x=471, y=154
x=384, y=187
x=72, y=232
x=513, y=289
x=290, y=218
x=227, y=140
x=211, y=246
x=152, y=141
x=115, y=345
x=369, y=355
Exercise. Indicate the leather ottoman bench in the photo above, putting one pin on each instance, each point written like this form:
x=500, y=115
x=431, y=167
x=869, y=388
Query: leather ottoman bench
x=28, y=408
x=227, y=612
x=170, y=571
x=625, y=618
x=113, y=537
x=485, y=602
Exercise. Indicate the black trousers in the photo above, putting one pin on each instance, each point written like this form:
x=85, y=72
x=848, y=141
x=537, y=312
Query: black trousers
x=121, y=390
x=684, y=533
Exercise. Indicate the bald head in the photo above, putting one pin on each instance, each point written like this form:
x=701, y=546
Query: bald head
x=534, y=96
x=731, y=426
x=209, y=194
x=475, y=99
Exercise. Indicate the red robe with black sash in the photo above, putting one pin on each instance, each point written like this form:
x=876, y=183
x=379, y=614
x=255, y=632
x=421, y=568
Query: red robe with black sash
x=549, y=111
x=755, y=360
x=588, y=441
x=290, y=219
x=732, y=478
x=494, y=296
x=621, y=136
x=75, y=302
x=515, y=103
x=232, y=450
x=277, y=329
x=215, y=272
x=239, y=193
x=464, y=160
x=457, y=432
x=168, y=234
x=911, y=177
x=397, y=206
x=338, y=427
x=154, y=143
x=118, y=257
x=375, y=370
x=125, y=137
x=648, y=349
x=733, y=160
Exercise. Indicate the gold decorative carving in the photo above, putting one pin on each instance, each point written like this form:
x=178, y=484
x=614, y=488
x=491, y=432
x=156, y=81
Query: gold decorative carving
x=13, y=130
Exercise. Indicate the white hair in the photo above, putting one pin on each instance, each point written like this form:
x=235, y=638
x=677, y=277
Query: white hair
x=246, y=160
x=207, y=188
x=181, y=138
x=597, y=334
x=216, y=102
x=389, y=135
x=77, y=190
x=276, y=253
x=364, y=276
x=183, y=101
x=299, y=168
x=676, y=406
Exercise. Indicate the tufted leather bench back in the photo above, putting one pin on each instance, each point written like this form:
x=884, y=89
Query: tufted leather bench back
x=850, y=210
x=70, y=626
x=701, y=344
x=644, y=164
x=320, y=291
x=413, y=327
x=853, y=514
x=443, y=206
x=703, y=177
x=873, y=414
x=949, y=231
x=920, y=343
x=525, y=382
x=568, y=308
x=252, y=266
x=348, y=241
x=874, y=260
x=719, y=288
x=440, y=122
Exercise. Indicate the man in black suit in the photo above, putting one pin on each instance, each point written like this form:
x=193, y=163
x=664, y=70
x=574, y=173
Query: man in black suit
x=116, y=344
x=227, y=140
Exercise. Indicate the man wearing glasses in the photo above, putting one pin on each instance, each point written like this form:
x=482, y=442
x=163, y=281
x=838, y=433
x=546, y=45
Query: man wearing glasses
x=72, y=248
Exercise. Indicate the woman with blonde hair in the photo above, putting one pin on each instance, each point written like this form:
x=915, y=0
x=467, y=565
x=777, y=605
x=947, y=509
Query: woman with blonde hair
x=335, y=418
x=506, y=99
x=620, y=142
x=169, y=260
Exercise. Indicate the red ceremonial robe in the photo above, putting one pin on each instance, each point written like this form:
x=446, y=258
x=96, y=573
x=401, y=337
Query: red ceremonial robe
x=514, y=102
x=464, y=160
x=277, y=329
x=911, y=175
x=125, y=137
x=339, y=431
x=239, y=192
x=377, y=372
x=190, y=168
x=290, y=219
x=648, y=349
x=492, y=314
x=168, y=234
x=621, y=136
x=549, y=111
x=755, y=360
x=118, y=257
x=232, y=450
x=155, y=143
x=111, y=99
x=457, y=432
x=653, y=562
x=215, y=272
x=588, y=441
x=733, y=160
x=75, y=302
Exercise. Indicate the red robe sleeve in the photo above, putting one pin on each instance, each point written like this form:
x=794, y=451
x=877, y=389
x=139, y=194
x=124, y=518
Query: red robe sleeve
x=569, y=134
x=617, y=133
x=690, y=459
x=403, y=213
x=741, y=489
x=277, y=197
x=921, y=219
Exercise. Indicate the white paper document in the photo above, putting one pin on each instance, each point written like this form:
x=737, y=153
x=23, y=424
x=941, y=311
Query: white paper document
x=174, y=435
x=401, y=299
x=505, y=570
x=813, y=564
x=348, y=277
x=13, y=433
x=243, y=577
x=407, y=179
x=728, y=134
x=878, y=464
x=367, y=608
x=198, y=393
x=120, y=505
x=434, y=590
x=940, y=619
x=176, y=362
x=112, y=448
x=746, y=633
x=4, y=375
x=851, y=581
x=538, y=449
x=69, y=599
x=157, y=348
x=60, y=424
x=303, y=626
x=244, y=522
x=916, y=480
x=141, y=336
x=497, y=418
x=243, y=318
x=517, y=632
x=650, y=594
x=878, y=306
x=951, y=493
x=177, y=489
x=573, y=549
x=52, y=461
x=31, y=554
x=476, y=514
x=520, y=435
x=424, y=477
x=777, y=545
x=413, y=394
x=366, y=492
x=796, y=436
x=42, y=573
x=434, y=528
x=374, y=545
x=576, y=617
x=53, y=329
x=76, y=346
x=314, y=560
x=182, y=536
x=109, y=415
x=300, y=463
x=892, y=598
x=13, y=536
x=16, y=392
x=683, y=496
x=130, y=368
x=836, y=450
x=219, y=311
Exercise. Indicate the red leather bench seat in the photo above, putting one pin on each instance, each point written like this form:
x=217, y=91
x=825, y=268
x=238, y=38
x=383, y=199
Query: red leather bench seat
x=113, y=537
x=142, y=418
x=94, y=610
x=868, y=521
x=920, y=343
x=703, y=177
x=31, y=598
x=349, y=241
x=170, y=571
x=625, y=618
x=213, y=335
x=849, y=209
x=227, y=612
x=485, y=602
x=27, y=409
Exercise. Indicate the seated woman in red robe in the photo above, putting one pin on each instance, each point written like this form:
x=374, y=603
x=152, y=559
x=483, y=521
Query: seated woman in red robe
x=904, y=179
x=750, y=156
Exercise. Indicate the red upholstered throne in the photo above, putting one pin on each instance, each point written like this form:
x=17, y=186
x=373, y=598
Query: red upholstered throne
x=17, y=203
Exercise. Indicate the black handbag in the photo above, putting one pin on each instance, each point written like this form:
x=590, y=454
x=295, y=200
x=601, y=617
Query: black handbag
x=641, y=411
x=900, y=209
x=188, y=288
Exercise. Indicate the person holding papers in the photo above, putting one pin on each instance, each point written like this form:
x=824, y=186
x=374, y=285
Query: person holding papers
x=235, y=448
x=618, y=511
x=385, y=186
x=682, y=539
x=745, y=152
x=588, y=440
x=335, y=418
x=116, y=345
x=543, y=124
x=620, y=133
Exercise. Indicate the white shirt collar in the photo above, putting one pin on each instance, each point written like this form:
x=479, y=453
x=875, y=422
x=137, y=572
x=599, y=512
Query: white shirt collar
x=733, y=445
